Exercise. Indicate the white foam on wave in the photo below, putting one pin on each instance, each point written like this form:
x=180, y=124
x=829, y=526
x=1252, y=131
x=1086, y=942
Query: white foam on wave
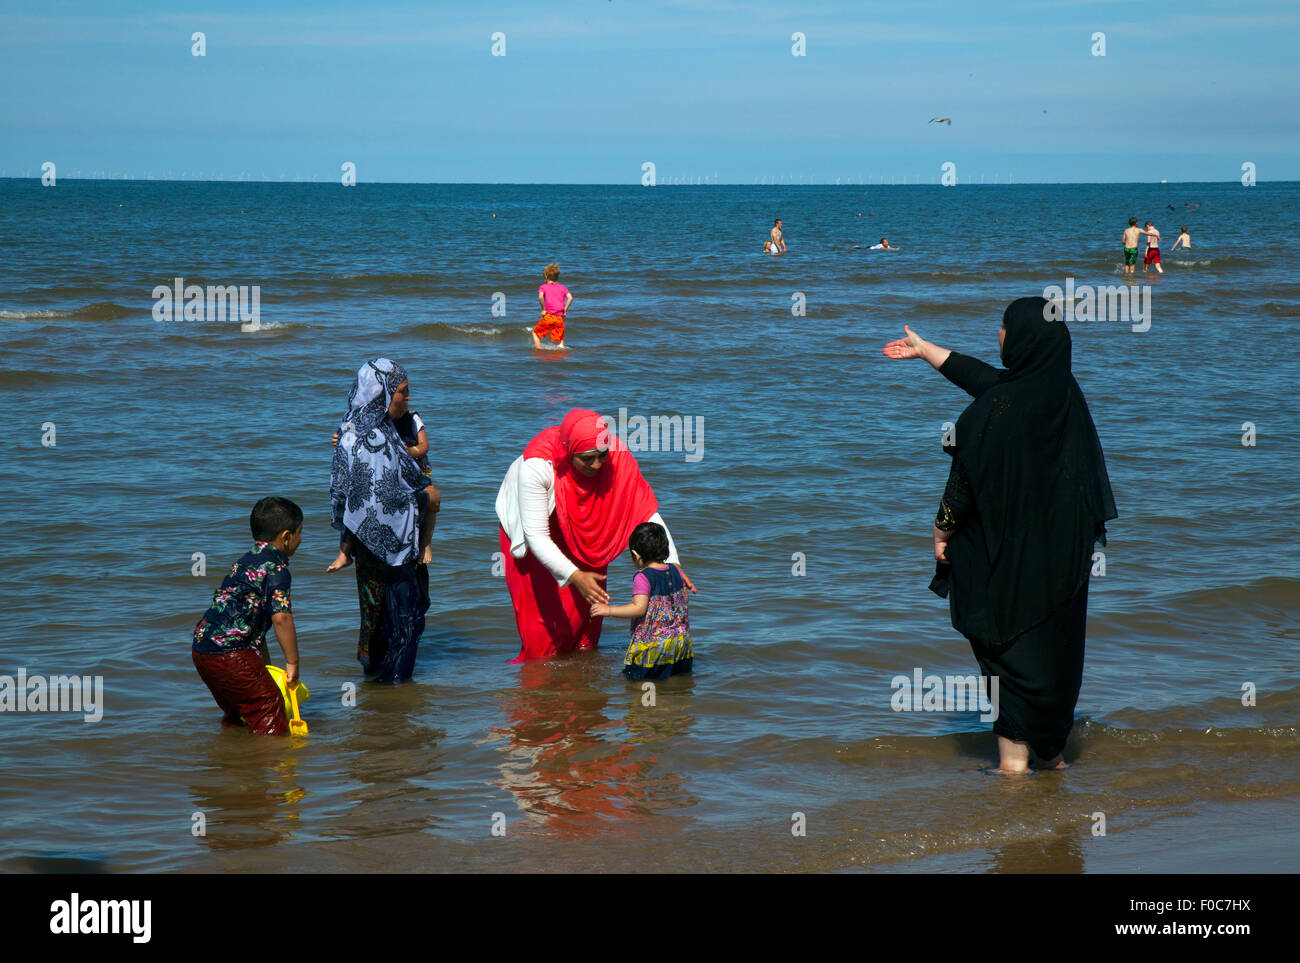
x=257, y=327
x=33, y=315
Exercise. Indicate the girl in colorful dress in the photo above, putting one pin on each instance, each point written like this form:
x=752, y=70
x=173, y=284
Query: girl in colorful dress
x=661, y=629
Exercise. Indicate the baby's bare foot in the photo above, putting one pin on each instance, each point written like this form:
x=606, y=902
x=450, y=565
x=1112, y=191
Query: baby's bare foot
x=341, y=562
x=427, y=557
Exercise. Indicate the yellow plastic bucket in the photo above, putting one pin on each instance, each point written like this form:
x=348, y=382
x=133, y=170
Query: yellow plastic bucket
x=277, y=674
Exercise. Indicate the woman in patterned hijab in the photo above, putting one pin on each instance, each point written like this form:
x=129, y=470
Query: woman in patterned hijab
x=378, y=495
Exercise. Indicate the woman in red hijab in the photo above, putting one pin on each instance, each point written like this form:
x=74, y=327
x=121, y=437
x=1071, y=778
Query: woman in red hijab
x=567, y=506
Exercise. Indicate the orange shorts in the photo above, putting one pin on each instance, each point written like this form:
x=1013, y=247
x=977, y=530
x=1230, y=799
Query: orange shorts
x=552, y=325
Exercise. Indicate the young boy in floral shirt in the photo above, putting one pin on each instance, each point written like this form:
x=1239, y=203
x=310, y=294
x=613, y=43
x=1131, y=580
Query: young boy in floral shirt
x=230, y=640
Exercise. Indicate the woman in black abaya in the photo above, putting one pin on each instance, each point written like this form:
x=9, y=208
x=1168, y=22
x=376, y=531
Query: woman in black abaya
x=1027, y=497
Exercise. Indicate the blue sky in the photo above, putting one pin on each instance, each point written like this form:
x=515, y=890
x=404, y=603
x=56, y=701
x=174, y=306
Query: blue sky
x=588, y=91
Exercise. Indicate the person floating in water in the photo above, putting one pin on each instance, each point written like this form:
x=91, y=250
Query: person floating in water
x=229, y=648
x=1130, y=242
x=661, y=628
x=555, y=300
x=884, y=245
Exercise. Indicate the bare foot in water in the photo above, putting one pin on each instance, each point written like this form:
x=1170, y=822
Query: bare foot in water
x=1013, y=757
x=427, y=557
x=341, y=562
x=1057, y=762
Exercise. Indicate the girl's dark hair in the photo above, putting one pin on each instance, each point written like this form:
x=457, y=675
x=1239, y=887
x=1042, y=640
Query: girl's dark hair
x=273, y=515
x=650, y=541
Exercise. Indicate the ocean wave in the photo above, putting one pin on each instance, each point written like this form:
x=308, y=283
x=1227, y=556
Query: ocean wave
x=1271, y=592
x=446, y=331
x=271, y=326
x=1225, y=739
x=388, y=282
x=1227, y=260
x=1285, y=310
x=99, y=311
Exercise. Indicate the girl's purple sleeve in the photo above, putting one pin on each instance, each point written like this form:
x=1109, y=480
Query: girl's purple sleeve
x=640, y=584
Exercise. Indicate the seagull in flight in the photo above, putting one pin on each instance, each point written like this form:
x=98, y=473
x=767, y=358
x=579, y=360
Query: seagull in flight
x=941, y=120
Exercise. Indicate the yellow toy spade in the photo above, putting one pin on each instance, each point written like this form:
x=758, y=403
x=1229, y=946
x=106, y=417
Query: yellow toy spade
x=297, y=727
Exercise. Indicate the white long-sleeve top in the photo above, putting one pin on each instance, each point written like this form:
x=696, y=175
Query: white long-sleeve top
x=524, y=506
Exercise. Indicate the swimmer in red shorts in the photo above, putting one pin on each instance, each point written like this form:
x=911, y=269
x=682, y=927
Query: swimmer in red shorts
x=1153, y=249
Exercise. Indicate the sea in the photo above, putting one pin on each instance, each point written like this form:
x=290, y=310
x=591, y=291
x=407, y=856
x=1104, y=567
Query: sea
x=801, y=501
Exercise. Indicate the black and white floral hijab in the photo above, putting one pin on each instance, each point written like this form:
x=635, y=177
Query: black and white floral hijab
x=374, y=480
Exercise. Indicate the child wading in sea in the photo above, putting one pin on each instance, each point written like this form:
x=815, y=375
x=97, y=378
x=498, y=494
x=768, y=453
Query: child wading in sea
x=555, y=300
x=1184, y=239
x=661, y=630
x=1153, y=248
x=230, y=640
x=410, y=428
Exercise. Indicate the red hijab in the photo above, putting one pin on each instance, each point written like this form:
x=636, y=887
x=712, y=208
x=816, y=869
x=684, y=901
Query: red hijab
x=596, y=515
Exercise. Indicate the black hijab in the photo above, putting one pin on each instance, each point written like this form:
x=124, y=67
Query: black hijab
x=1035, y=466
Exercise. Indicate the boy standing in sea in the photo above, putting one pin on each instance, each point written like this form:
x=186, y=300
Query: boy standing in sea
x=229, y=648
x=555, y=300
x=1130, y=241
x=1153, y=249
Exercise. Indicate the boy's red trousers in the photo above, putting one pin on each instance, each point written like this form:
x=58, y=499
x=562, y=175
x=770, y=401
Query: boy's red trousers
x=241, y=685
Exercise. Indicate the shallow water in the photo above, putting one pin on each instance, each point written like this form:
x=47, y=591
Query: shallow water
x=814, y=443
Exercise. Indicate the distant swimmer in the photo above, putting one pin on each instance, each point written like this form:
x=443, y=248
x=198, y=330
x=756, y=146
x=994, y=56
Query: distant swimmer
x=1183, y=239
x=1192, y=207
x=884, y=245
x=941, y=120
x=777, y=244
x=1130, y=241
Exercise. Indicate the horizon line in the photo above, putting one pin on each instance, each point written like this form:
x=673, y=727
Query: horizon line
x=335, y=183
